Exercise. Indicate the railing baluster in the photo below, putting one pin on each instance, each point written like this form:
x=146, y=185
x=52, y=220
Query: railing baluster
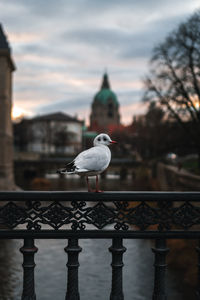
x=198, y=264
x=72, y=250
x=28, y=250
x=117, y=251
x=160, y=251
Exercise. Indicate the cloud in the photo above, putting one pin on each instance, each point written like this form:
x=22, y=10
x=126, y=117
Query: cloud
x=61, y=49
x=137, y=108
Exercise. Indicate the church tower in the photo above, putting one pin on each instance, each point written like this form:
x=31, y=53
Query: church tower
x=105, y=108
x=6, y=134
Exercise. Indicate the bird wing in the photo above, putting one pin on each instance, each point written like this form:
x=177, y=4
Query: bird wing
x=93, y=159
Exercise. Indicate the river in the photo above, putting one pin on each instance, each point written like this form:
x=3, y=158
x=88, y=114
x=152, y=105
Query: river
x=95, y=259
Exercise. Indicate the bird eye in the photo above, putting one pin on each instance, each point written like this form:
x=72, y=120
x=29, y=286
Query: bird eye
x=105, y=139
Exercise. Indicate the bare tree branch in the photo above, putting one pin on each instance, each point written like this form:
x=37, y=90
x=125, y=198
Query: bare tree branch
x=174, y=79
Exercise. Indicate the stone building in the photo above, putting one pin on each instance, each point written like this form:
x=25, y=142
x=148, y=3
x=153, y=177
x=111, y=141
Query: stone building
x=49, y=134
x=6, y=135
x=105, y=108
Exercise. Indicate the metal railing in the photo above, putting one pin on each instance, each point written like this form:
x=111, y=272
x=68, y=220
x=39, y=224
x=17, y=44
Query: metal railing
x=110, y=215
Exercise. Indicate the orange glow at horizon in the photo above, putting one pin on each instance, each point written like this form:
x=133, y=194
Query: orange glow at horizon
x=18, y=112
x=196, y=104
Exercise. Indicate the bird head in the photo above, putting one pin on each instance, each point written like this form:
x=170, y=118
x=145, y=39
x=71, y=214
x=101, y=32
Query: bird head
x=103, y=139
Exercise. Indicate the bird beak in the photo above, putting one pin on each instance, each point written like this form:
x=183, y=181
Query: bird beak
x=113, y=142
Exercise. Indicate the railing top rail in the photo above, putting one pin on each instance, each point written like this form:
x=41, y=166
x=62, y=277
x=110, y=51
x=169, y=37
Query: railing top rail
x=65, y=213
x=106, y=196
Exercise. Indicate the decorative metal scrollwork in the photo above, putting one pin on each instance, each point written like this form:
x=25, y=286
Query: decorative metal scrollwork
x=81, y=215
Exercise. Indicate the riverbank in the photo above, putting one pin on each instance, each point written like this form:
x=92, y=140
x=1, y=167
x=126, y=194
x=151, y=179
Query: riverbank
x=183, y=255
x=173, y=178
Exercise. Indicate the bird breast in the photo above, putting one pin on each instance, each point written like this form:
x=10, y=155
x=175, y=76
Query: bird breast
x=104, y=157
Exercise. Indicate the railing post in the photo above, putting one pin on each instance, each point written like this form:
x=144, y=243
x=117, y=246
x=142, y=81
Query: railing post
x=198, y=264
x=117, y=251
x=72, y=250
x=160, y=251
x=28, y=250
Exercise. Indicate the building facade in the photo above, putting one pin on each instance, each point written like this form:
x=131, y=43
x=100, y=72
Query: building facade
x=105, y=108
x=49, y=134
x=6, y=133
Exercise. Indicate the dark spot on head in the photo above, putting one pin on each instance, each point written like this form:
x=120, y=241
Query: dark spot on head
x=99, y=139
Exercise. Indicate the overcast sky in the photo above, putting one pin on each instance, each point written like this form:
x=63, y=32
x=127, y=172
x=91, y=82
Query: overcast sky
x=62, y=48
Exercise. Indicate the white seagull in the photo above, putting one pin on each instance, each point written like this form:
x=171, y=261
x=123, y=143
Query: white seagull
x=93, y=161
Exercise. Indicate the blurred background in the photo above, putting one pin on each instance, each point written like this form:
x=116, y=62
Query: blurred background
x=71, y=70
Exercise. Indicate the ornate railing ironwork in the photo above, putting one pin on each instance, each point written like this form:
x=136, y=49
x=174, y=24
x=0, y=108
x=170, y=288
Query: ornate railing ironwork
x=113, y=215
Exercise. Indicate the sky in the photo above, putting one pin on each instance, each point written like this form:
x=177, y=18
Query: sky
x=62, y=49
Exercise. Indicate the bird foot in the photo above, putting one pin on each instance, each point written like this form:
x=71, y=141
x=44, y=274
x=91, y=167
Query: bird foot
x=98, y=191
x=91, y=191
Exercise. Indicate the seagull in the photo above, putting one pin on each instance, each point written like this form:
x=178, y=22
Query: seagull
x=91, y=162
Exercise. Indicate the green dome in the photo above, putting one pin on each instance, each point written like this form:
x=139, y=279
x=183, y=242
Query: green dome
x=105, y=93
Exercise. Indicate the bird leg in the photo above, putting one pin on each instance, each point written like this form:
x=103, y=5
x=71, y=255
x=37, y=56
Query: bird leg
x=97, y=185
x=88, y=185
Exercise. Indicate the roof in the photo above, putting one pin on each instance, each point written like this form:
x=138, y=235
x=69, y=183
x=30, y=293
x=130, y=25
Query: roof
x=3, y=40
x=90, y=134
x=105, y=93
x=58, y=116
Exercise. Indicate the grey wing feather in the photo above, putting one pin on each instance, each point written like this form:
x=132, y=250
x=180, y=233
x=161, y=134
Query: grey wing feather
x=93, y=159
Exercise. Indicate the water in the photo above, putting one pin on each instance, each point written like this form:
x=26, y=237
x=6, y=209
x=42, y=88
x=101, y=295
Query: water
x=95, y=271
x=95, y=259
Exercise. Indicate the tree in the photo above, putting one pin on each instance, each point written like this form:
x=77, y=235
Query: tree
x=153, y=134
x=22, y=134
x=154, y=129
x=174, y=77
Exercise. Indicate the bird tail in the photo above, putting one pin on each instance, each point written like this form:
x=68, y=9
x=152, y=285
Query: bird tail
x=64, y=171
x=68, y=169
